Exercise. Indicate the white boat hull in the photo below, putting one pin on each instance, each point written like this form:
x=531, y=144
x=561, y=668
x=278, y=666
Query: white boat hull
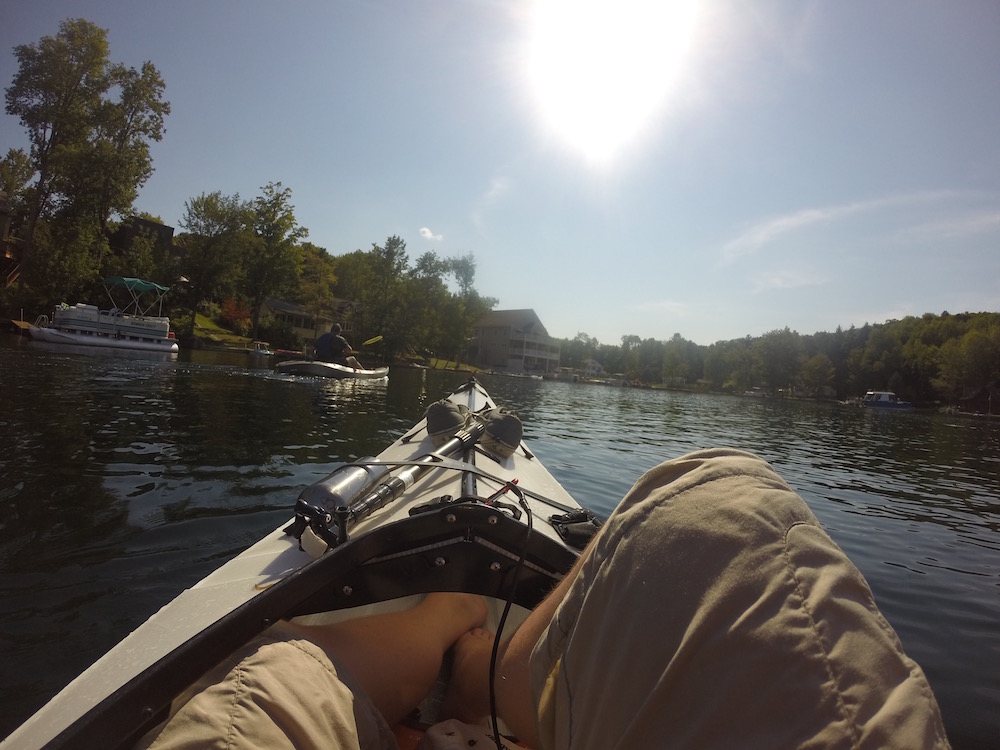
x=102, y=340
x=317, y=369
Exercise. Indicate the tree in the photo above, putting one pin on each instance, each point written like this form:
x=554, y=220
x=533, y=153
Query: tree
x=381, y=310
x=89, y=123
x=427, y=305
x=317, y=279
x=56, y=93
x=16, y=172
x=817, y=374
x=677, y=365
x=118, y=161
x=577, y=351
x=630, y=355
x=718, y=364
x=469, y=305
x=778, y=356
x=219, y=233
x=272, y=264
x=464, y=271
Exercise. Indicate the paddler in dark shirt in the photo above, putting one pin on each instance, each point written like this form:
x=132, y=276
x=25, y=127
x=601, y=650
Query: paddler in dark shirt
x=332, y=347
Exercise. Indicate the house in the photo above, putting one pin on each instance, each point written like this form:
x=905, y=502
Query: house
x=304, y=324
x=135, y=227
x=513, y=341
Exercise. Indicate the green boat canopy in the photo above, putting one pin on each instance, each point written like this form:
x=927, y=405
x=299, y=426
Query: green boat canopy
x=137, y=285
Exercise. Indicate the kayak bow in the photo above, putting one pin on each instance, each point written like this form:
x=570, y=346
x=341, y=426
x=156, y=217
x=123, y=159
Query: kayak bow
x=413, y=520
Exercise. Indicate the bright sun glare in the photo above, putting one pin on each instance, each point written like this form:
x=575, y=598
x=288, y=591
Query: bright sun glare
x=601, y=68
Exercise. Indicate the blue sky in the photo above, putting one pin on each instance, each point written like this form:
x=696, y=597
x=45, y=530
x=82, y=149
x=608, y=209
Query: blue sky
x=714, y=168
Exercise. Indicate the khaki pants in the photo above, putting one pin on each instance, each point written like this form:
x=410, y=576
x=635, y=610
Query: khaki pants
x=280, y=691
x=714, y=612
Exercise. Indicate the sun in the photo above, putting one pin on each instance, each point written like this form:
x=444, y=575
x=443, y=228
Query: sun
x=600, y=69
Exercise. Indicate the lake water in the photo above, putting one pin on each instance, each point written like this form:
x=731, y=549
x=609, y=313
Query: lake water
x=124, y=480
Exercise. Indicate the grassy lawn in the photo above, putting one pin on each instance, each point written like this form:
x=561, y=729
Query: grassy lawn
x=447, y=364
x=214, y=335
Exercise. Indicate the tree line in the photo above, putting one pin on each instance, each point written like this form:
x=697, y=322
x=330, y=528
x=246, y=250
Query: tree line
x=951, y=359
x=90, y=123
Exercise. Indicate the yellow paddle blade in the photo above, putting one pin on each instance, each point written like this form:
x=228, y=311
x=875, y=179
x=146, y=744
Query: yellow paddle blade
x=372, y=340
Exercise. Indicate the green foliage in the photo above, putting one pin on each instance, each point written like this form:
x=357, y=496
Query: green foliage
x=317, y=279
x=89, y=123
x=271, y=264
x=412, y=307
x=16, y=172
x=928, y=359
x=278, y=334
x=219, y=235
x=817, y=375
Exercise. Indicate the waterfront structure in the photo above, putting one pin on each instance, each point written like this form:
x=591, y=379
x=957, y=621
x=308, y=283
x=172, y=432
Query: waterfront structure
x=514, y=341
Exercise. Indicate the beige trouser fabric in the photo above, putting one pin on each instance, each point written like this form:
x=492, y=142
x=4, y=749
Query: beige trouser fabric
x=280, y=691
x=714, y=612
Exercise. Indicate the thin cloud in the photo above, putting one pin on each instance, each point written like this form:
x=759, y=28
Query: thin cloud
x=952, y=228
x=499, y=186
x=769, y=231
x=784, y=279
x=427, y=234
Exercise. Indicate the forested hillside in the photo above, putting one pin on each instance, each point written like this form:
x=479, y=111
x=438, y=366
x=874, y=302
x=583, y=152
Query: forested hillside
x=950, y=359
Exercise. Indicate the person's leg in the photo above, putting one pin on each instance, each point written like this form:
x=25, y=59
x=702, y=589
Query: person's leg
x=340, y=685
x=396, y=657
x=468, y=696
x=711, y=611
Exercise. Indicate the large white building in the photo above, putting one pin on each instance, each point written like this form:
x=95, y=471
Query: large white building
x=513, y=341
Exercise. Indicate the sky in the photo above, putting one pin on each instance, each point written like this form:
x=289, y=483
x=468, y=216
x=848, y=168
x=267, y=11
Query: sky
x=713, y=168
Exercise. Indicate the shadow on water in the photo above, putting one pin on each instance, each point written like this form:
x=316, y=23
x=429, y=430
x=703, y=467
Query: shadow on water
x=124, y=480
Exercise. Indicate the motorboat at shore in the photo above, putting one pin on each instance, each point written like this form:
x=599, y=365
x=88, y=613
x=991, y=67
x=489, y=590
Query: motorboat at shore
x=317, y=369
x=884, y=400
x=469, y=508
x=259, y=349
x=128, y=324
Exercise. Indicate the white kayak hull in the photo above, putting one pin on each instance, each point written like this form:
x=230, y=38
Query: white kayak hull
x=390, y=554
x=316, y=369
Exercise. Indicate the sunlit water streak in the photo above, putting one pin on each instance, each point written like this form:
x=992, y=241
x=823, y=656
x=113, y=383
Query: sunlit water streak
x=123, y=481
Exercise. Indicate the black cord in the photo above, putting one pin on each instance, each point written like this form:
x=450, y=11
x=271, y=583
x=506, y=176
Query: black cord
x=506, y=610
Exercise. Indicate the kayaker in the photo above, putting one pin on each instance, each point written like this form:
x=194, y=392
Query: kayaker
x=710, y=611
x=332, y=347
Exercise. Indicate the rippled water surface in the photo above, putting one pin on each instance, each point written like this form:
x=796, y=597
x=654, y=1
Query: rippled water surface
x=125, y=480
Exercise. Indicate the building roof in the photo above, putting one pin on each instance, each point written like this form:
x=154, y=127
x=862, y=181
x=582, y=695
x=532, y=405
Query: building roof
x=525, y=321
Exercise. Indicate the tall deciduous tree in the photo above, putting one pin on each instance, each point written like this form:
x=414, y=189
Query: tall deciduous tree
x=219, y=232
x=272, y=263
x=16, y=171
x=119, y=156
x=56, y=93
x=317, y=280
x=89, y=123
x=382, y=290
